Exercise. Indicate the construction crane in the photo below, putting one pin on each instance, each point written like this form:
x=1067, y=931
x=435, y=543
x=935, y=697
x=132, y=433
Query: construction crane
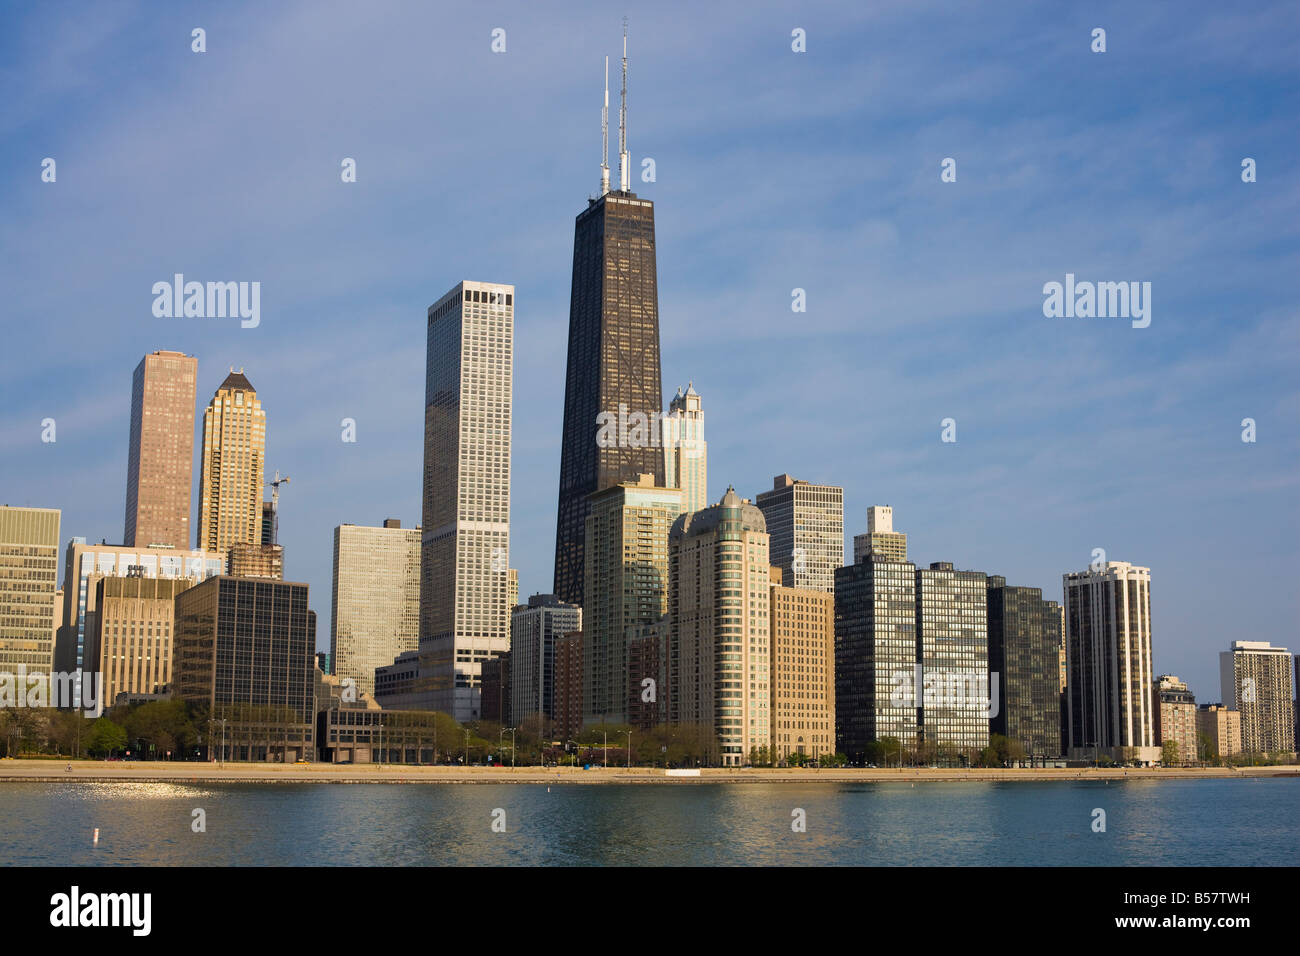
x=275, y=505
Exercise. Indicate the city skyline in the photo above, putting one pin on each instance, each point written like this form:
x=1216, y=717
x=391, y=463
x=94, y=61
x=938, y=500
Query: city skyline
x=1156, y=489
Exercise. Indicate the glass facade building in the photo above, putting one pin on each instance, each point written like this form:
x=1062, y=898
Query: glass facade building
x=613, y=368
x=1024, y=653
x=953, y=651
x=245, y=650
x=875, y=654
x=806, y=525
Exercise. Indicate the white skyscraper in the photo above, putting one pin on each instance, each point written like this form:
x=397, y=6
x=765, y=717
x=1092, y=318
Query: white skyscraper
x=1255, y=679
x=685, y=451
x=465, y=547
x=1110, y=681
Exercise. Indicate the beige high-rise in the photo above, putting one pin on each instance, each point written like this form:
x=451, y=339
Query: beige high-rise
x=29, y=577
x=626, y=586
x=132, y=645
x=719, y=652
x=1222, y=726
x=160, y=459
x=84, y=566
x=376, y=599
x=802, y=670
x=234, y=461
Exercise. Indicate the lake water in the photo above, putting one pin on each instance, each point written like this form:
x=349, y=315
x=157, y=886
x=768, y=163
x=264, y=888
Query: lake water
x=1197, y=822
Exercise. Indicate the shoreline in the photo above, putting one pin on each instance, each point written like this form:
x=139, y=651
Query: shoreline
x=98, y=772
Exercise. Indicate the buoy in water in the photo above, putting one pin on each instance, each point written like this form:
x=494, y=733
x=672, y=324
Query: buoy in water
x=96, y=837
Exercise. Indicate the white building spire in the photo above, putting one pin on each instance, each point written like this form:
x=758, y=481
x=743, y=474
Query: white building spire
x=624, y=171
x=604, y=136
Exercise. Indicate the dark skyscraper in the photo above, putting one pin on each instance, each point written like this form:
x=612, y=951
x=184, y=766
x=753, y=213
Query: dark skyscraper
x=613, y=363
x=1024, y=648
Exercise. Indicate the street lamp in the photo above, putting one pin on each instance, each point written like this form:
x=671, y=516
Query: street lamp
x=512, y=744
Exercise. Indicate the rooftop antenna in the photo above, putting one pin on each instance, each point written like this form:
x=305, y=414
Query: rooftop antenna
x=604, y=136
x=624, y=174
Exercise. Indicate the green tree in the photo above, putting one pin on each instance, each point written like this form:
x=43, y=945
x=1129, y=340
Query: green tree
x=1205, y=748
x=105, y=738
x=891, y=751
x=1169, y=753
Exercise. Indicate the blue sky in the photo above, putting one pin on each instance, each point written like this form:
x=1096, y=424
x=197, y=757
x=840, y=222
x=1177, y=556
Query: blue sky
x=775, y=170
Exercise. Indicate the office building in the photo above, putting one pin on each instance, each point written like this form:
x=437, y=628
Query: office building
x=875, y=655
x=627, y=586
x=686, y=453
x=1255, y=680
x=465, y=553
x=1175, y=716
x=719, y=626
x=568, y=686
x=160, y=458
x=647, y=676
x=1024, y=667
x=1109, y=681
x=234, y=462
x=880, y=538
x=806, y=526
x=1221, y=728
x=245, y=653
x=29, y=578
x=132, y=644
x=256, y=561
x=802, y=673
x=534, y=630
x=495, y=698
x=400, y=685
x=84, y=566
x=375, y=599
x=952, y=642
x=613, y=363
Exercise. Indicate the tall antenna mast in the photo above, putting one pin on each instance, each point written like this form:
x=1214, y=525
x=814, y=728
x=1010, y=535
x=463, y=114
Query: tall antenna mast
x=624, y=173
x=604, y=136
